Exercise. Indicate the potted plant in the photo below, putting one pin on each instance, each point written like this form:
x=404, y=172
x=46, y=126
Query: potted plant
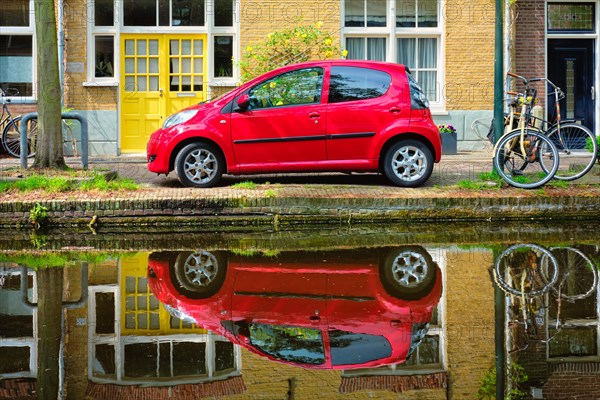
x=449, y=140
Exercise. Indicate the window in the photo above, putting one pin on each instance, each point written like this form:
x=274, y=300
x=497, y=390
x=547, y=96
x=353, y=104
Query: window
x=303, y=86
x=408, y=32
x=349, y=348
x=214, y=18
x=351, y=84
x=571, y=17
x=16, y=48
x=289, y=343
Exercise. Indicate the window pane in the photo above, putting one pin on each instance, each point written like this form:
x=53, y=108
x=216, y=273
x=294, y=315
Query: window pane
x=349, y=348
x=351, y=84
x=164, y=8
x=187, y=13
x=225, y=357
x=428, y=53
x=376, y=49
x=105, y=56
x=407, y=52
x=16, y=64
x=405, y=13
x=189, y=358
x=355, y=12
x=14, y=359
x=223, y=53
x=428, y=13
x=429, y=350
x=376, y=12
x=14, y=13
x=139, y=12
x=224, y=13
x=104, y=13
x=292, y=88
x=104, y=364
x=296, y=344
x=428, y=82
x=574, y=342
x=571, y=17
x=356, y=48
x=105, y=313
x=141, y=360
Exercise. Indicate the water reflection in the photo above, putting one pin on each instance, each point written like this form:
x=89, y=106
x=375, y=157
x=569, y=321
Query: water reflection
x=551, y=319
x=342, y=309
x=349, y=314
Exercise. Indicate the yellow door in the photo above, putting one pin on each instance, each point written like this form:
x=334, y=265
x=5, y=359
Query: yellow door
x=161, y=74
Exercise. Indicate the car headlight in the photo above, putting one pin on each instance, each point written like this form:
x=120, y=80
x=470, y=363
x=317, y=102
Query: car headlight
x=179, y=118
x=174, y=312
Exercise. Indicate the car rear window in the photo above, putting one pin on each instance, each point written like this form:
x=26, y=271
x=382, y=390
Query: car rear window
x=355, y=83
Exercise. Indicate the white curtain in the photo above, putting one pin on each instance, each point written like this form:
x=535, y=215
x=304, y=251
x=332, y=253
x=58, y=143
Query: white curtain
x=356, y=48
x=428, y=60
x=376, y=49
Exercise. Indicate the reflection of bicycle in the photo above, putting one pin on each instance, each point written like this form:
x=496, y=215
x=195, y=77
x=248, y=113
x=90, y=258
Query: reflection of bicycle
x=533, y=276
x=11, y=134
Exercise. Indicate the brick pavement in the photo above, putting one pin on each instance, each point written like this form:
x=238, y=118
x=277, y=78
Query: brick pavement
x=316, y=198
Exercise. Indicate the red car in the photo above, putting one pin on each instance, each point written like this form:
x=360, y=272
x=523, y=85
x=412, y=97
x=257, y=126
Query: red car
x=340, y=116
x=341, y=309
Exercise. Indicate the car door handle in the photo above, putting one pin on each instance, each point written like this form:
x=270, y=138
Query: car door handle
x=395, y=110
x=314, y=115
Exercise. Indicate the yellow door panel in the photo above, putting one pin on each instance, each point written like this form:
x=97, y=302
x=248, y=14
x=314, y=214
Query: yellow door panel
x=160, y=75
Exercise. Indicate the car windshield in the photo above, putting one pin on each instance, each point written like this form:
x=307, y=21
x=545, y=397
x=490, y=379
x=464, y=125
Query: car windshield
x=289, y=343
x=356, y=348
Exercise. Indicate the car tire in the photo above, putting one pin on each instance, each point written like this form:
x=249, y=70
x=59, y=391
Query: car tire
x=408, y=273
x=408, y=163
x=199, y=165
x=199, y=274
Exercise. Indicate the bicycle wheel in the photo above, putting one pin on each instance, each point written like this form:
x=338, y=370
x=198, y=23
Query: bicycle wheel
x=526, y=269
x=577, y=148
x=579, y=276
x=532, y=169
x=11, y=137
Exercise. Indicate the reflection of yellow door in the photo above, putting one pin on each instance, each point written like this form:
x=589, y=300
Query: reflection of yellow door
x=160, y=75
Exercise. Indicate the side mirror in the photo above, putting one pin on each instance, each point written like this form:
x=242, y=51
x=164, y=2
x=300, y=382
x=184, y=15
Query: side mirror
x=243, y=102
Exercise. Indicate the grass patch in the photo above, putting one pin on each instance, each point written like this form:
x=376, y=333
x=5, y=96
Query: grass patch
x=270, y=193
x=244, y=185
x=484, y=181
x=557, y=183
x=62, y=184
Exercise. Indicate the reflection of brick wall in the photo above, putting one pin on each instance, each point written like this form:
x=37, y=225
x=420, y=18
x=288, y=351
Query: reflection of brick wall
x=396, y=384
x=573, y=381
x=469, y=320
x=22, y=389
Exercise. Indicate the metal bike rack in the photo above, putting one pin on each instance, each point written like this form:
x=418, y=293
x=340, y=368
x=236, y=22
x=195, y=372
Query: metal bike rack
x=68, y=115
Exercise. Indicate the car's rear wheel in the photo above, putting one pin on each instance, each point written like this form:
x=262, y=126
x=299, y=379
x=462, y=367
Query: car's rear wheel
x=408, y=273
x=408, y=163
x=199, y=274
x=199, y=165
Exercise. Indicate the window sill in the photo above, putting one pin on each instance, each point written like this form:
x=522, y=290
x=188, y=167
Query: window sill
x=438, y=111
x=101, y=84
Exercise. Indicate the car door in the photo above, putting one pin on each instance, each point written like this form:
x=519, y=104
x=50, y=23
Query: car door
x=284, y=123
x=362, y=104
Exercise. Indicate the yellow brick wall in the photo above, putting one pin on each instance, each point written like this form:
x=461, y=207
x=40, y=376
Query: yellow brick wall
x=469, y=54
x=258, y=19
x=77, y=96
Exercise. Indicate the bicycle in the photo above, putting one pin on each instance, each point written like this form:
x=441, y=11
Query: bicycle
x=11, y=134
x=524, y=157
x=576, y=144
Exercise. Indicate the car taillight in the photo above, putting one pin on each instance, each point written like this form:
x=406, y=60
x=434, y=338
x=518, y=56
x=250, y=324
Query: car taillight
x=418, y=100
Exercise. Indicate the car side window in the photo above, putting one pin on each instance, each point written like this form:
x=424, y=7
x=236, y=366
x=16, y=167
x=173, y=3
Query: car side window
x=355, y=83
x=303, y=86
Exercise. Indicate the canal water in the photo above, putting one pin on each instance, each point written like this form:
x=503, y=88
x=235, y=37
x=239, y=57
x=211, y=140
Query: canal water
x=446, y=311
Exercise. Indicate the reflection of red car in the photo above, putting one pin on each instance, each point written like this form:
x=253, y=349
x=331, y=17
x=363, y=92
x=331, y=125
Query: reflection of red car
x=333, y=309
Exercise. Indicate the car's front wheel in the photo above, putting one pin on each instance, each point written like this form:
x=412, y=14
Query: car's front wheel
x=199, y=165
x=199, y=274
x=408, y=163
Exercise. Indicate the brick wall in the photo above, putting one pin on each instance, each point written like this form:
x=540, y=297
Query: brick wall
x=258, y=19
x=76, y=95
x=469, y=54
x=530, y=41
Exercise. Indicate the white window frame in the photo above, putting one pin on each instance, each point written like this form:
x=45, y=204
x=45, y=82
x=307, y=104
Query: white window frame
x=391, y=33
x=25, y=31
x=209, y=29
